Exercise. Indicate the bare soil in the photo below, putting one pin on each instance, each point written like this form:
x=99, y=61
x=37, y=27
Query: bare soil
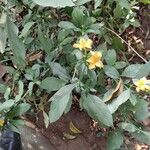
x=87, y=140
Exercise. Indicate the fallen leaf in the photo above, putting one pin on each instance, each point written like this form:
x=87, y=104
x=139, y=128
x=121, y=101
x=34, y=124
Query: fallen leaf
x=69, y=136
x=74, y=129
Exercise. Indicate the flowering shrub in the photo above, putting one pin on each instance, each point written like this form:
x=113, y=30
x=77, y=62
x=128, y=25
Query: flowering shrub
x=55, y=56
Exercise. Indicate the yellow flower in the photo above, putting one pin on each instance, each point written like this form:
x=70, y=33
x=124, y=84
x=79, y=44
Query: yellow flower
x=83, y=44
x=142, y=85
x=1, y=122
x=95, y=60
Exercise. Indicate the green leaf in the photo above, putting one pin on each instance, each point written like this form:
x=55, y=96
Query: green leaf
x=3, y=88
x=131, y=71
x=124, y=3
x=111, y=72
x=143, y=71
x=78, y=16
x=133, y=99
x=7, y=93
x=111, y=57
x=81, y=2
x=20, y=92
x=54, y=3
x=52, y=84
x=18, y=110
x=59, y=102
x=117, y=14
x=136, y=132
x=97, y=109
x=120, y=64
x=97, y=3
x=128, y=127
x=145, y=1
x=122, y=98
x=17, y=122
x=67, y=25
x=141, y=110
x=58, y=70
x=6, y=105
x=115, y=140
x=45, y=42
x=142, y=136
x=3, y=39
x=26, y=28
x=16, y=44
x=117, y=44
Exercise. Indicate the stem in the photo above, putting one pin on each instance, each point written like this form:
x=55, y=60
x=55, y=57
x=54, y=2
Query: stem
x=127, y=44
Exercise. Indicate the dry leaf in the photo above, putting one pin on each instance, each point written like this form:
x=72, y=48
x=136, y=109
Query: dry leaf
x=114, y=93
x=69, y=136
x=74, y=129
x=34, y=56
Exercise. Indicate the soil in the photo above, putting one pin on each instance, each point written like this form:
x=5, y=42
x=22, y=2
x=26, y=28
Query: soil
x=87, y=140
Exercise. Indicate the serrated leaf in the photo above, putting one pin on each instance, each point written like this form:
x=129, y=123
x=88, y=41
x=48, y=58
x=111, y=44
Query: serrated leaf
x=97, y=109
x=122, y=98
x=59, y=102
x=73, y=128
x=54, y=3
x=52, y=83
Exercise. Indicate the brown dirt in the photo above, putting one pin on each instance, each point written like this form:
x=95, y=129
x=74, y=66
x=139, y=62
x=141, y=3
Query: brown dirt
x=87, y=140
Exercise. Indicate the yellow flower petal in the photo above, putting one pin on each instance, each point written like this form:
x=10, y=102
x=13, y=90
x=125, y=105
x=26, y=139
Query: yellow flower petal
x=1, y=122
x=89, y=43
x=142, y=85
x=91, y=66
x=99, y=64
x=95, y=60
x=83, y=44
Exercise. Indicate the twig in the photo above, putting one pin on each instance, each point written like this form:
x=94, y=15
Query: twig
x=127, y=44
